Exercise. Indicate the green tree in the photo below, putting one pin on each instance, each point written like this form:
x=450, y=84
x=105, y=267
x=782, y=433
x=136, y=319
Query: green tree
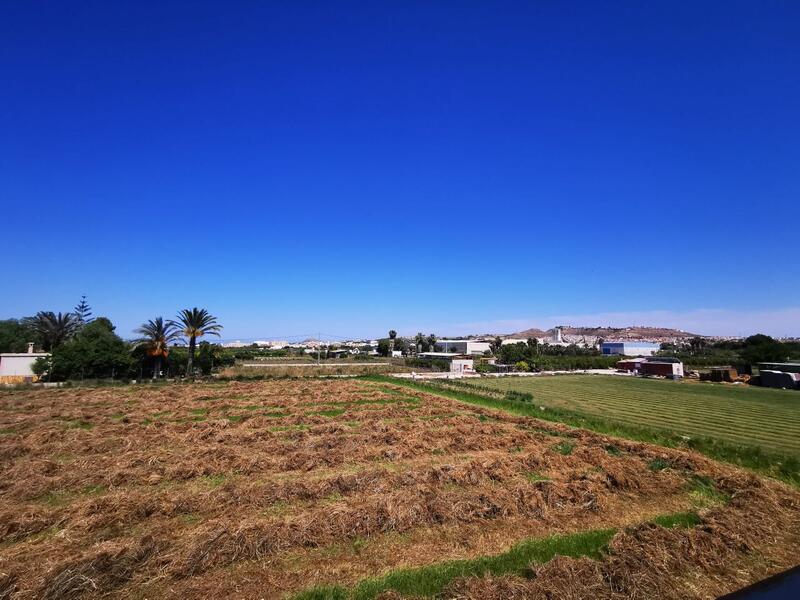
x=156, y=338
x=83, y=312
x=432, y=342
x=213, y=356
x=195, y=323
x=522, y=366
x=762, y=348
x=697, y=344
x=95, y=352
x=14, y=336
x=387, y=345
x=513, y=353
x=51, y=329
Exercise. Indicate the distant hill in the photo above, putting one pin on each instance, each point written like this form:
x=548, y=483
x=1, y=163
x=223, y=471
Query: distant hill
x=611, y=333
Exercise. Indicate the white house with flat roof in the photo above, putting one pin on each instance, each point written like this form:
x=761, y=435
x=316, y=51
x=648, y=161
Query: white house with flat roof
x=16, y=367
x=463, y=346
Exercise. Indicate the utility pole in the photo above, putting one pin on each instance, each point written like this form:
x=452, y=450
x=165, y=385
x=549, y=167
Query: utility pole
x=319, y=347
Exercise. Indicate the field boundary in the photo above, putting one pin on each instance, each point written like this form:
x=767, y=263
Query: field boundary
x=783, y=467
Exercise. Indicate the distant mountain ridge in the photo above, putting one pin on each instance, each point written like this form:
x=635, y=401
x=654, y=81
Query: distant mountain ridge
x=610, y=333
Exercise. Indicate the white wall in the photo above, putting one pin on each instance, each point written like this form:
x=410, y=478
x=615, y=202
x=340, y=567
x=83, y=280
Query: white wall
x=18, y=365
x=463, y=346
x=634, y=350
x=478, y=347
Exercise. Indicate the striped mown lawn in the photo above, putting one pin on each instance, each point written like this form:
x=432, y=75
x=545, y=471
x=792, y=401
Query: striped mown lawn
x=740, y=414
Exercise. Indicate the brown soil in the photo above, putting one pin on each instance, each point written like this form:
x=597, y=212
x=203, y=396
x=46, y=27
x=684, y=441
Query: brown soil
x=262, y=489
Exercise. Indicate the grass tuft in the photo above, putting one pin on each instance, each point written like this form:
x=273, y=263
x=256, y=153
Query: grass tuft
x=564, y=448
x=704, y=493
x=686, y=520
x=334, y=412
x=658, y=464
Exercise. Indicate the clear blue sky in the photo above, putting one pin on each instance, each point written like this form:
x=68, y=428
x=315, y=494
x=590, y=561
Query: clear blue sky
x=449, y=166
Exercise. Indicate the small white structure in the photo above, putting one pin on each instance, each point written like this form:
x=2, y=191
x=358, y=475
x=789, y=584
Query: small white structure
x=462, y=366
x=463, y=346
x=17, y=367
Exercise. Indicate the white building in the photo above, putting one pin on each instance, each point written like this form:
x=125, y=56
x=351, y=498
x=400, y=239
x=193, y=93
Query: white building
x=462, y=366
x=463, y=346
x=630, y=348
x=17, y=367
x=511, y=341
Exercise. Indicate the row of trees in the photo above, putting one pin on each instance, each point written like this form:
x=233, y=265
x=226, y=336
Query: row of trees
x=45, y=329
x=84, y=347
x=532, y=354
x=191, y=324
x=419, y=343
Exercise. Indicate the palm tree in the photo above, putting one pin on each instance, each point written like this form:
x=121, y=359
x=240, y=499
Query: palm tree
x=432, y=342
x=156, y=337
x=194, y=323
x=419, y=342
x=52, y=328
x=392, y=335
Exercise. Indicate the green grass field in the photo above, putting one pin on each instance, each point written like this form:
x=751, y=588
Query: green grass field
x=766, y=418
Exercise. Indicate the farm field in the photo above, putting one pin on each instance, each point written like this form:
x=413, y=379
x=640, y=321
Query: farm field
x=753, y=416
x=360, y=489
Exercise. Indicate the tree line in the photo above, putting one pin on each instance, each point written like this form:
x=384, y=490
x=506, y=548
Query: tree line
x=83, y=347
x=740, y=353
x=532, y=354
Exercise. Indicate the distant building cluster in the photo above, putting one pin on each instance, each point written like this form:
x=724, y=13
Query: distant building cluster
x=366, y=347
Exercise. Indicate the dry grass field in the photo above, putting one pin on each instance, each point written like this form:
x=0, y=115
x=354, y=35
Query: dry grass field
x=353, y=488
x=273, y=370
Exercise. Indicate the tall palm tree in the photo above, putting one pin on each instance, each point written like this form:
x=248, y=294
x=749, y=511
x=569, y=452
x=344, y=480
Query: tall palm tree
x=50, y=328
x=156, y=337
x=392, y=336
x=194, y=323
